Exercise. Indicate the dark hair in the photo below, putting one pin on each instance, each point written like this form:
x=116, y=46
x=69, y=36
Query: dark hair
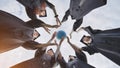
x=72, y=56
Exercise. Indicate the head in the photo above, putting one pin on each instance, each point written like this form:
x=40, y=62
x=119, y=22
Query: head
x=86, y=39
x=71, y=57
x=35, y=34
x=41, y=9
x=50, y=52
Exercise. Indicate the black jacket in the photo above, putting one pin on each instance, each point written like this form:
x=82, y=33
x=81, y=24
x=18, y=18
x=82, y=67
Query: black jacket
x=14, y=31
x=41, y=60
x=79, y=62
x=106, y=42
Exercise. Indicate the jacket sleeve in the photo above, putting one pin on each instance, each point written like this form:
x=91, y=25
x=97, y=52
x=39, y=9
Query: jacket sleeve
x=77, y=24
x=40, y=52
x=90, y=49
x=91, y=31
x=62, y=63
x=35, y=23
x=67, y=13
x=80, y=55
x=30, y=45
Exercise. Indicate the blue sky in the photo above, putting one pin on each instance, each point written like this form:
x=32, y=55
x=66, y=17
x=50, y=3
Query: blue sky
x=106, y=17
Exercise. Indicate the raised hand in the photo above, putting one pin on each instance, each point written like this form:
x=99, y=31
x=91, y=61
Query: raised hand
x=58, y=21
x=56, y=26
x=53, y=36
x=47, y=29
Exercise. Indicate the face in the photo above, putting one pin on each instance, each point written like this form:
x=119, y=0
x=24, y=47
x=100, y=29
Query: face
x=50, y=52
x=87, y=39
x=71, y=57
x=35, y=34
x=41, y=10
x=42, y=13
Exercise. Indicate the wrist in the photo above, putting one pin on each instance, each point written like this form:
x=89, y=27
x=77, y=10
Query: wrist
x=56, y=15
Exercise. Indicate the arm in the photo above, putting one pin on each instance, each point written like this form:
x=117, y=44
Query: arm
x=58, y=48
x=90, y=49
x=71, y=33
x=30, y=13
x=73, y=46
x=61, y=61
x=67, y=13
x=49, y=42
x=42, y=51
x=50, y=26
x=35, y=45
x=76, y=25
x=38, y=23
x=32, y=45
x=50, y=5
x=90, y=30
x=81, y=56
x=78, y=51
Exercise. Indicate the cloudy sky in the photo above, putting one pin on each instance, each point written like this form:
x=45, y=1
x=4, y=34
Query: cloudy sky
x=106, y=17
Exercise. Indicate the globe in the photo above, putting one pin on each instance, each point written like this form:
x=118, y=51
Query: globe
x=60, y=34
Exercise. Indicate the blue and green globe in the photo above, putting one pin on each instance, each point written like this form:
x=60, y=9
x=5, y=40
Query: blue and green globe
x=60, y=34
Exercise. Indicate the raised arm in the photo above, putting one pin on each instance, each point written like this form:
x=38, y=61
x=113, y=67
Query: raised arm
x=80, y=55
x=60, y=58
x=90, y=49
x=90, y=30
x=50, y=26
x=61, y=61
x=49, y=42
x=67, y=13
x=50, y=5
x=58, y=48
x=76, y=26
x=38, y=23
x=73, y=46
x=35, y=45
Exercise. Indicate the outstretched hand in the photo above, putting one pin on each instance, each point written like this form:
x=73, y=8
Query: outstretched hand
x=47, y=30
x=53, y=36
x=56, y=26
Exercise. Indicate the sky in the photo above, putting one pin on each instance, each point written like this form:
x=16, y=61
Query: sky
x=106, y=17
